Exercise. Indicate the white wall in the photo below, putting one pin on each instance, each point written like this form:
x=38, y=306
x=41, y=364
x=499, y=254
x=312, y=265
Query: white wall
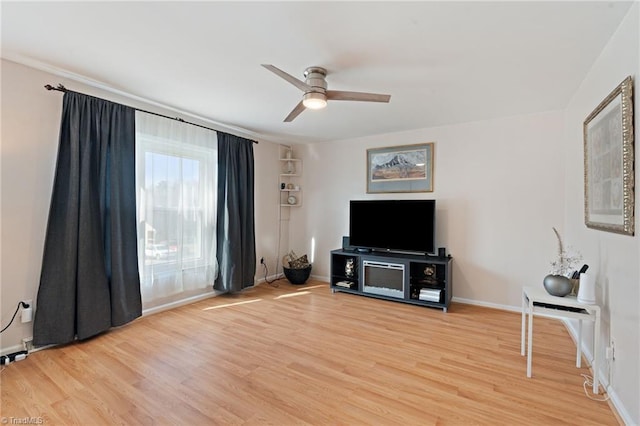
x=30, y=126
x=498, y=190
x=614, y=258
x=267, y=170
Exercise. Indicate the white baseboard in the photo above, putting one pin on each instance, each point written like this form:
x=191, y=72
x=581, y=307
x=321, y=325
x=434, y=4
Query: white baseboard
x=320, y=278
x=487, y=304
x=622, y=412
x=182, y=302
x=11, y=349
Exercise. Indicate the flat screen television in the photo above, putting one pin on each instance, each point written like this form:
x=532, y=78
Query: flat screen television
x=393, y=225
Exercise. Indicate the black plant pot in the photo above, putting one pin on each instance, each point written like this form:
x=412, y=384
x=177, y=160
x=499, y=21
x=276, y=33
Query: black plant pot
x=297, y=276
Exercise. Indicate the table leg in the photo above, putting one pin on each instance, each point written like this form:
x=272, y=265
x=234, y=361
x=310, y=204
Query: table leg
x=530, y=338
x=596, y=350
x=579, y=345
x=524, y=314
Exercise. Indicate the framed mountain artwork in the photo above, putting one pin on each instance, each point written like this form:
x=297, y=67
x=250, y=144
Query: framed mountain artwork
x=404, y=168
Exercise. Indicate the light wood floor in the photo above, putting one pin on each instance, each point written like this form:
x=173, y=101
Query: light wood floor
x=302, y=355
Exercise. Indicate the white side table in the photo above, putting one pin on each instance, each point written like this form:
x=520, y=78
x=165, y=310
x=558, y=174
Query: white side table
x=536, y=301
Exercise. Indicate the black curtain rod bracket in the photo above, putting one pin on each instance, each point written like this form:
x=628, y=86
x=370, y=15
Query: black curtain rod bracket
x=61, y=88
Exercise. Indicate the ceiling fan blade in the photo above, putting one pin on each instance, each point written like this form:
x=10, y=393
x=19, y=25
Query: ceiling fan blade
x=296, y=112
x=291, y=79
x=341, y=95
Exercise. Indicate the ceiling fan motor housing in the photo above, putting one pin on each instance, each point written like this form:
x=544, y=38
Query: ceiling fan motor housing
x=315, y=77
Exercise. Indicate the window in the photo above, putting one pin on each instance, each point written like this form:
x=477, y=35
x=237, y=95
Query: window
x=176, y=179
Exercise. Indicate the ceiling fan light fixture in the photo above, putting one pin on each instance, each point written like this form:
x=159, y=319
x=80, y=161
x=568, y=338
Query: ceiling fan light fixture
x=314, y=100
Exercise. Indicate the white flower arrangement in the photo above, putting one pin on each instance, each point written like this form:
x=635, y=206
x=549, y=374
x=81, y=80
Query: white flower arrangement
x=567, y=261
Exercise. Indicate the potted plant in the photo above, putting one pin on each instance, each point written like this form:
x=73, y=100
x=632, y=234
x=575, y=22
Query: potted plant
x=558, y=282
x=296, y=269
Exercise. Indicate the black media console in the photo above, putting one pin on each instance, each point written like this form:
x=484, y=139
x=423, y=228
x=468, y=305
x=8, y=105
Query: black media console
x=408, y=278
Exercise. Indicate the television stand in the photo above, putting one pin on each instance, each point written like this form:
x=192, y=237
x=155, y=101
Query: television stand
x=407, y=278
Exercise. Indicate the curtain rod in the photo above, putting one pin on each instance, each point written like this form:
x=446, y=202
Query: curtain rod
x=61, y=88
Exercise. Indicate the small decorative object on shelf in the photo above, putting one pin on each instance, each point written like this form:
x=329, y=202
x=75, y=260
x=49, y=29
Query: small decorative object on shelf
x=345, y=284
x=348, y=268
x=290, y=168
x=558, y=283
x=575, y=286
x=292, y=200
x=587, y=289
x=429, y=271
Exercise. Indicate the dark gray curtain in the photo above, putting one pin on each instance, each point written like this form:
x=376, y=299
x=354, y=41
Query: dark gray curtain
x=89, y=280
x=236, y=243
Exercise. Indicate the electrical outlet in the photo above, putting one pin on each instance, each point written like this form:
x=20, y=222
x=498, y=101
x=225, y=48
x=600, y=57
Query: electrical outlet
x=27, y=343
x=27, y=313
x=262, y=260
x=611, y=350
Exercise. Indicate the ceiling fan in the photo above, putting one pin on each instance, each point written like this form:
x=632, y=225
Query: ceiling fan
x=315, y=91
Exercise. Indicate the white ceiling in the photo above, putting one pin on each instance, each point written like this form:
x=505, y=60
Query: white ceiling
x=441, y=62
